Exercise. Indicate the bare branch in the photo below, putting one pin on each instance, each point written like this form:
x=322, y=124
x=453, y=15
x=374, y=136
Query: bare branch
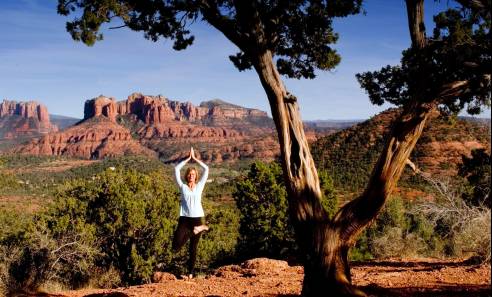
x=63, y=246
x=118, y=27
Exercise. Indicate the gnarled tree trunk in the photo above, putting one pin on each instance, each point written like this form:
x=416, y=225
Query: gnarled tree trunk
x=325, y=255
x=406, y=131
x=324, y=243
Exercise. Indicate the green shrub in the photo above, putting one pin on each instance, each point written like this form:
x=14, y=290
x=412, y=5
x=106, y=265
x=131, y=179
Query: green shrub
x=34, y=257
x=476, y=170
x=264, y=226
x=261, y=197
x=131, y=214
x=398, y=231
x=218, y=247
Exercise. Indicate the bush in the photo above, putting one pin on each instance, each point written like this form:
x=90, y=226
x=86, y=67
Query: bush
x=132, y=216
x=476, y=170
x=474, y=237
x=264, y=228
x=466, y=227
x=448, y=226
x=398, y=231
x=113, y=229
x=218, y=247
x=264, y=225
x=33, y=257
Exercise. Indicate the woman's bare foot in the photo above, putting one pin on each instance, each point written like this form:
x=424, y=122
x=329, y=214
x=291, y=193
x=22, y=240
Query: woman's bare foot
x=199, y=229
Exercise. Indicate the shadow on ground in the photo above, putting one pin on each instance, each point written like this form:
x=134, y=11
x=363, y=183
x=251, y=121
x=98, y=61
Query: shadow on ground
x=443, y=291
x=113, y=294
x=430, y=264
x=40, y=294
x=437, y=291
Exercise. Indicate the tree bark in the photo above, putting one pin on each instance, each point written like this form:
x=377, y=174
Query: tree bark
x=298, y=165
x=415, y=14
x=326, y=267
x=324, y=244
x=406, y=131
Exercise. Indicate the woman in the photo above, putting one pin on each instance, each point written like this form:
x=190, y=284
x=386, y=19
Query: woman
x=191, y=215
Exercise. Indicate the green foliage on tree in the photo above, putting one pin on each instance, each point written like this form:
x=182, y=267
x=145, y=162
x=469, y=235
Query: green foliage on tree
x=398, y=231
x=453, y=66
x=130, y=215
x=264, y=224
x=299, y=33
x=330, y=200
x=476, y=170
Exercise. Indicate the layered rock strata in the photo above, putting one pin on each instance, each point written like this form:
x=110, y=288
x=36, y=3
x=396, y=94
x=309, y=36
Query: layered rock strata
x=154, y=110
x=219, y=131
x=93, y=139
x=20, y=119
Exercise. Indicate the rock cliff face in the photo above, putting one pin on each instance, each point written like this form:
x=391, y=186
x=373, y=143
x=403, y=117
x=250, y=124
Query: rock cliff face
x=21, y=119
x=155, y=110
x=155, y=125
x=93, y=139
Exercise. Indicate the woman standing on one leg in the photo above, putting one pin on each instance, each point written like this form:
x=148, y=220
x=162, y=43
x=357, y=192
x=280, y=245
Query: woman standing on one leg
x=191, y=215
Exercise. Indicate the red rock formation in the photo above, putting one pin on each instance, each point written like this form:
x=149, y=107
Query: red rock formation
x=24, y=119
x=92, y=139
x=220, y=131
x=101, y=106
x=155, y=110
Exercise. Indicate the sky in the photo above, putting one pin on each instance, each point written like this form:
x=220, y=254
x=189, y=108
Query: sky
x=39, y=61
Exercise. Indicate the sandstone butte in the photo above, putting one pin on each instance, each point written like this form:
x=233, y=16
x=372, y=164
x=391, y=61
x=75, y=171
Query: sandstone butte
x=157, y=126
x=154, y=110
x=19, y=119
x=93, y=139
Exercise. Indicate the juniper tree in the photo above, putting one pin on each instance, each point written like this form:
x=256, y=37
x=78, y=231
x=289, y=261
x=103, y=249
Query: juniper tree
x=291, y=38
x=446, y=72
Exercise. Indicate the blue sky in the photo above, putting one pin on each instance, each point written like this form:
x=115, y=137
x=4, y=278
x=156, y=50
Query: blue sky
x=40, y=61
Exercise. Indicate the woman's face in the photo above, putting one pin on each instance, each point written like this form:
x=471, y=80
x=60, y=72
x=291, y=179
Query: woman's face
x=191, y=177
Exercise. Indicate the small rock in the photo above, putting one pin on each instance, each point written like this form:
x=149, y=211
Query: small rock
x=159, y=277
x=264, y=266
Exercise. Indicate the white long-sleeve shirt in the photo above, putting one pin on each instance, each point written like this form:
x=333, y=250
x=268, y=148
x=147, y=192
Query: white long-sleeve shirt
x=191, y=200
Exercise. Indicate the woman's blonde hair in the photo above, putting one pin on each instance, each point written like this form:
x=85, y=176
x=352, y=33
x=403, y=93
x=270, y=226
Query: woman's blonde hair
x=190, y=169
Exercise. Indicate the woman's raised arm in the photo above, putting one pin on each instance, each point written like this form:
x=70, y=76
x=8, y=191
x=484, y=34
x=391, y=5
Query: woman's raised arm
x=177, y=170
x=204, y=177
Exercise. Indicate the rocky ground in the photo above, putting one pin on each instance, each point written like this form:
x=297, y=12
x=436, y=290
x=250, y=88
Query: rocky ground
x=265, y=277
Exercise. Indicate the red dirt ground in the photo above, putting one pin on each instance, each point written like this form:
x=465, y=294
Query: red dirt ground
x=265, y=277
